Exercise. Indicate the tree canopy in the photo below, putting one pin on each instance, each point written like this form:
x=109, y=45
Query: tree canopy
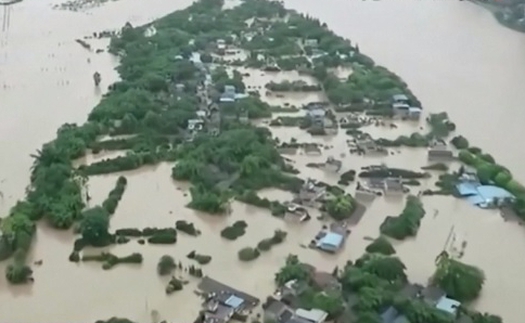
x=460, y=281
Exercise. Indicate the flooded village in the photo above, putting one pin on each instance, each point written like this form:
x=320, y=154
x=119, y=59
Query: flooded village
x=264, y=170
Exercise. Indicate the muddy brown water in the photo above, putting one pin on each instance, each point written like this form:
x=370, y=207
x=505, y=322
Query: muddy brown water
x=453, y=55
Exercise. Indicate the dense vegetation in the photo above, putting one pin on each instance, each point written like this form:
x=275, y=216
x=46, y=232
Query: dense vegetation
x=381, y=245
x=407, y=223
x=370, y=286
x=340, y=207
x=460, y=281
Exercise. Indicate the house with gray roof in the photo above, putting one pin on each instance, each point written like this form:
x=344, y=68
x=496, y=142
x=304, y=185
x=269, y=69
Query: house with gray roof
x=313, y=315
x=441, y=152
x=400, y=98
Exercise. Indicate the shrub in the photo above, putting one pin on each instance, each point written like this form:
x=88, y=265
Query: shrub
x=174, y=285
x=110, y=260
x=265, y=244
x=347, y=177
x=437, y=166
x=407, y=223
x=18, y=273
x=166, y=265
x=201, y=259
x=74, y=256
x=341, y=207
x=381, y=245
x=163, y=238
x=234, y=231
x=460, y=142
x=186, y=227
x=130, y=232
x=248, y=254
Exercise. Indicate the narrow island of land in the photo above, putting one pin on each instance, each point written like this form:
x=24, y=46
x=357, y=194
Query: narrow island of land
x=186, y=98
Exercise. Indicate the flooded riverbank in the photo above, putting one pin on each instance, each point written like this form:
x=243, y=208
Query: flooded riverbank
x=474, y=86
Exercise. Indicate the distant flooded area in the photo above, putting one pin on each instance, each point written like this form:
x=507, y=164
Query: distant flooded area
x=452, y=55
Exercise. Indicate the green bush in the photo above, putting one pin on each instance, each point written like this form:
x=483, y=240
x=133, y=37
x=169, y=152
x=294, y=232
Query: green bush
x=265, y=244
x=186, y=227
x=18, y=273
x=74, y=256
x=234, y=231
x=174, y=285
x=166, y=265
x=340, y=207
x=130, y=232
x=437, y=166
x=201, y=259
x=110, y=260
x=163, y=238
x=347, y=177
x=381, y=245
x=248, y=254
x=460, y=142
x=407, y=223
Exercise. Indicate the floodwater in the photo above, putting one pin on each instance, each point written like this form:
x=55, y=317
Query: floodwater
x=454, y=56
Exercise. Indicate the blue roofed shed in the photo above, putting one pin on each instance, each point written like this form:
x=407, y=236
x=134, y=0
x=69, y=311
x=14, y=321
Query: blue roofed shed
x=330, y=242
x=482, y=195
x=448, y=305
x=467, y=189
x=234, y=301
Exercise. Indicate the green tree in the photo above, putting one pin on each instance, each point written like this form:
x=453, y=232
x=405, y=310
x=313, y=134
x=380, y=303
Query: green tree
x=331, y=304
x=368, y=317
x=385, y=267
x=460, y=142
x=292, y=270
x=94, y=227
x=460, y=281
x=166, y=265
x=381, y=245
x=341, y=207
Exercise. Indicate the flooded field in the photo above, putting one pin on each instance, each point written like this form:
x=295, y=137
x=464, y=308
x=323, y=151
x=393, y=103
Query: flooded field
x=39, y=56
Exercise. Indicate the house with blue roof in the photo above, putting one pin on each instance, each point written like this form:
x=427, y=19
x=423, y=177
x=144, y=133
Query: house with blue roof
x=448, y=305
x=483, y=196
x=331, y=242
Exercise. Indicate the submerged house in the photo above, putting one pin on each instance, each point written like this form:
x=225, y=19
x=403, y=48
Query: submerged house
x=483, y=196
x=400, y=98
x=312, y=316
x=311, y=191
x=317, y=116
x=394, y=186
x=331, y=242
x=228, y=96
x=441, y=152
x=333, y=164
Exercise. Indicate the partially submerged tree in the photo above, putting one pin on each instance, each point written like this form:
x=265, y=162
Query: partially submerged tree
x=460, y=281
x=95, y=225
x=293, y=269
x=381, y=245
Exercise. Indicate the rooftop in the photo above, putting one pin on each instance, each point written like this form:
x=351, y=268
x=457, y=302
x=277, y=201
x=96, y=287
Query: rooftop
x=331, y=240
x=314, y=315
x=448, y=305
x=400, y=97
x=234, y=301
